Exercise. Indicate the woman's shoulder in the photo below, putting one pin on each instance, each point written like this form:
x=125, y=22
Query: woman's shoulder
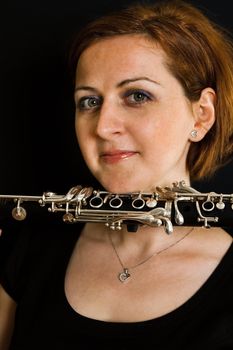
x=213, y=242
x=211, y=251
x=38, y=245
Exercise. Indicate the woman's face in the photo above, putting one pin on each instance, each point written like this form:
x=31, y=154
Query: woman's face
x=133, y=121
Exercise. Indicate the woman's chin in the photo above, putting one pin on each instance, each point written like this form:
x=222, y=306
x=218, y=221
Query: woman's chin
x=122, y=187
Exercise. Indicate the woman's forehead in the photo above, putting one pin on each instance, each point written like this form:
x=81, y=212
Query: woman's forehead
x=121, y=56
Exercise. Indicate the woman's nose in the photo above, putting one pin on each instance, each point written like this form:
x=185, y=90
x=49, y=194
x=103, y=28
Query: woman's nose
x=110, y=121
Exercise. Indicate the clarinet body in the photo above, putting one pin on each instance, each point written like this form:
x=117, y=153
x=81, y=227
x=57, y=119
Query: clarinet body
x=169, y=206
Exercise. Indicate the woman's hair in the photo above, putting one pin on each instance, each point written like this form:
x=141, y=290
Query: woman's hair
x=199, y=54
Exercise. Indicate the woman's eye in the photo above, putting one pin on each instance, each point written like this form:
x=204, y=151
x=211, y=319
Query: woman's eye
x=137, y=97
x=89, y=102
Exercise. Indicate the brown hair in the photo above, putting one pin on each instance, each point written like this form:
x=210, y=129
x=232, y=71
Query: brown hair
x=200, y=55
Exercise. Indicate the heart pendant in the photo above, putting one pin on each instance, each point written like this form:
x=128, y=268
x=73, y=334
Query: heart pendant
x=123, y=276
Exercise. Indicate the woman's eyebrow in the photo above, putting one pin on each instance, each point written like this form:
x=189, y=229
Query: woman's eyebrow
x=122, y=83
x=83, y=87
x=128, y=81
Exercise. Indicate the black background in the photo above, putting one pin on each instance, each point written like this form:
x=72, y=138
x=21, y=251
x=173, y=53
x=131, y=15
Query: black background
x=38, y=148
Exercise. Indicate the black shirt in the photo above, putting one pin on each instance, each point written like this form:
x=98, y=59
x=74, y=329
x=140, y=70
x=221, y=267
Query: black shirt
x=34, y=277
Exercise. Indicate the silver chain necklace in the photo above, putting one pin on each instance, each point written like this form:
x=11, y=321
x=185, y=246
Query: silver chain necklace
x=125, y=275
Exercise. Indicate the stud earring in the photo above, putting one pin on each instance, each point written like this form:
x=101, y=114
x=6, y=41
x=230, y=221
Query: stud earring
x=193, y=133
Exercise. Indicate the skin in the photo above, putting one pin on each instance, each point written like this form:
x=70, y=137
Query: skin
x=134, y=114
x=133, y=125
x=7, y=312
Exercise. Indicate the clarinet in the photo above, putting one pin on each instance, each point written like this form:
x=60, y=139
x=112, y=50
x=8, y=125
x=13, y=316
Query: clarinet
x=166, y=206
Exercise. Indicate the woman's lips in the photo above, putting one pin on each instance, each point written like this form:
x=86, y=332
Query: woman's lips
x=116, y=156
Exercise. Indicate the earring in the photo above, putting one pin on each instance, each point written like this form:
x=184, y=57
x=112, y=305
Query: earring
x=193, y=133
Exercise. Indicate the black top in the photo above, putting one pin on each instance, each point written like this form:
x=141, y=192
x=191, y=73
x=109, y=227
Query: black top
x=34, y=277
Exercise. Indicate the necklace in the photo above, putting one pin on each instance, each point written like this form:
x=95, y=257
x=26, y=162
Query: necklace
x=125, y=275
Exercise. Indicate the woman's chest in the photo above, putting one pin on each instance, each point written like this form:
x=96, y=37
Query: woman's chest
x=93, y=287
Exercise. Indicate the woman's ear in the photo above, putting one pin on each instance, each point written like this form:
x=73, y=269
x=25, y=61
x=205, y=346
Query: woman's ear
x=204, y=114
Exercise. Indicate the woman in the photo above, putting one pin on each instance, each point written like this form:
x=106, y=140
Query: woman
x=154, y=102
